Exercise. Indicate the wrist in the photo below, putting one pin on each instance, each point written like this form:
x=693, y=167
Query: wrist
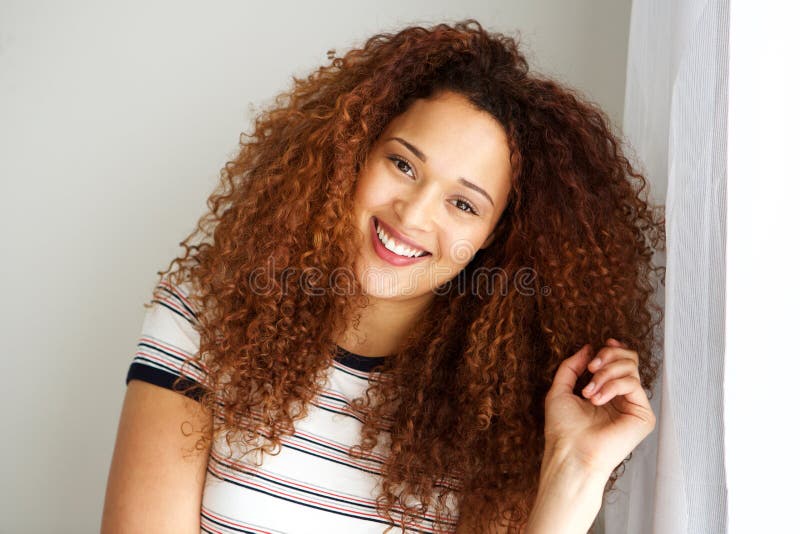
x=568, y=497
x=581, y=465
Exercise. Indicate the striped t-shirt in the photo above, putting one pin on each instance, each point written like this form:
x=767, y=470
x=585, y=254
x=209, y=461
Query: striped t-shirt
x=312, y=485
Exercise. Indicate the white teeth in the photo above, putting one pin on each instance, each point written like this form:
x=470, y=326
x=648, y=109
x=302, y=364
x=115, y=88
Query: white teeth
x=397, y=248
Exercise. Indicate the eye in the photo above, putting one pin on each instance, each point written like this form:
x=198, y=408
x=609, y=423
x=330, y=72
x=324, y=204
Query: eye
x=469, y=206
x=402, y=165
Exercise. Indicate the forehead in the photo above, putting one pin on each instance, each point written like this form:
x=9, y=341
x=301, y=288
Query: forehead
x=457, y=139
x=450, y=118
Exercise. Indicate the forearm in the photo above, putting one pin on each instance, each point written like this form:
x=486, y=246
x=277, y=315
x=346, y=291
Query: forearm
x=568, y=498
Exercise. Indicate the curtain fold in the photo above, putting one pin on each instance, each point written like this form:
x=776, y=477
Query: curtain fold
x=675, y=122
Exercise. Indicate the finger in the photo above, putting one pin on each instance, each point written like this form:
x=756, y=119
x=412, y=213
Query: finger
x=610, y=371
x=616, y=343
x=628, y=387
x=569, y=370
x=609, y=354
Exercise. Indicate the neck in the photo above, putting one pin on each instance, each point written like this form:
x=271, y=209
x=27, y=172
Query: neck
x=383, y=326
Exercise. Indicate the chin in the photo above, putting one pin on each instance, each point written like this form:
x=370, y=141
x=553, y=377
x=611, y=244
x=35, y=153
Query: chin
x=380, y=281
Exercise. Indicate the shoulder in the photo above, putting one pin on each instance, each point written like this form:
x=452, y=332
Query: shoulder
x=168, y=346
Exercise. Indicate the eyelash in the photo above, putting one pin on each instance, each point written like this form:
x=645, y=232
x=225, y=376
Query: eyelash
x=398, y=159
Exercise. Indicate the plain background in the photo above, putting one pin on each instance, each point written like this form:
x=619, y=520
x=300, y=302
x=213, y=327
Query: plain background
x=114, y=122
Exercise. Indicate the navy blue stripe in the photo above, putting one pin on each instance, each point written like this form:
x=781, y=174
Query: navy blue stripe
x=289, y=446
x=169, y=354
x=284, y=498
x=228, y=527
x=267, y=480
x=158, y=377
x=181, y=300
x=345, y=371
x=331, y=410
x=357, y=361
x=334, y=399
x=175, y=310
x=152, y=363
x=332, y=448
x=341, y=462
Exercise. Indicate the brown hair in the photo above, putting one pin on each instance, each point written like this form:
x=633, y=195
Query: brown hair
x=463, y=397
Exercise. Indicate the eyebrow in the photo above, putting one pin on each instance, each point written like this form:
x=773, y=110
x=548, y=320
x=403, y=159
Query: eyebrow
x=421, y=155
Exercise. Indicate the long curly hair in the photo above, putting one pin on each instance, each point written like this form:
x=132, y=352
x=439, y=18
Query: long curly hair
x=462, y=400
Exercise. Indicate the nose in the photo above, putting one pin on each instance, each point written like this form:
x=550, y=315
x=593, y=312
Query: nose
x=417, y=208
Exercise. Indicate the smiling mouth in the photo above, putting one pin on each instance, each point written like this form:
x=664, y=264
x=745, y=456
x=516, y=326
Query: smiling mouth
x=394, y=246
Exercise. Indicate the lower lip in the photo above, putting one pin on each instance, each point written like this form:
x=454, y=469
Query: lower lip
x=389, y=256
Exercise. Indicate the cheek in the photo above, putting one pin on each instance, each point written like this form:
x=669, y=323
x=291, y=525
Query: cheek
x=373, y=190
x=460, y=249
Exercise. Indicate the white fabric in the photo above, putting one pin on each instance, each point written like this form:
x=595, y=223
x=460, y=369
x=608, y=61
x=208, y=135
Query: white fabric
x=761, y=356
x=675, y=122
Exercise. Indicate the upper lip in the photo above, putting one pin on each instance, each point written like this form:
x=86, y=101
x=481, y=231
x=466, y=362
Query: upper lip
x=397, y=236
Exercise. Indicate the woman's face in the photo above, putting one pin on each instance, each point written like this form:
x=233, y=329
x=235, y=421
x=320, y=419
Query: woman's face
x=429, y=195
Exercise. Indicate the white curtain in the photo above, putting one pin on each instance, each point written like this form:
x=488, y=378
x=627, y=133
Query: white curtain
x=762, y=359
x=676, y=123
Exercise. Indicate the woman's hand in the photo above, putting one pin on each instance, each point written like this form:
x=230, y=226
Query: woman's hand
x=611, y=417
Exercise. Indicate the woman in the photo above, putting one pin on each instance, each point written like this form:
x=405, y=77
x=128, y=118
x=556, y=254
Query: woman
x=405, y=273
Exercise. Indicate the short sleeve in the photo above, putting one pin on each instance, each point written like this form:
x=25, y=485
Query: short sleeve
x=168, y=339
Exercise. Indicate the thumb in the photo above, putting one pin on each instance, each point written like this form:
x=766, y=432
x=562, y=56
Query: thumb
x=569, y=371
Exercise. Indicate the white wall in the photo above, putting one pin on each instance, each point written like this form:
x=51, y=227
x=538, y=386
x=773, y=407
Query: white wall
x=114, y=123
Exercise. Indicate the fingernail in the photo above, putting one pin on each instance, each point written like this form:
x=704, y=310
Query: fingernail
x=589, y=387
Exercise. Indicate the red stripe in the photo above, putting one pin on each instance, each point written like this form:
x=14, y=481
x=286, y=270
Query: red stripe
x=173, y=350
x=181, y=295
x=342, y=459
x=167, y=347
x=294, y=497
x=345, y=458
x=175, y=307
x=347, y=411
x=272, y=476
x=232, y=523
x=345, y=450
x=204, y=524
